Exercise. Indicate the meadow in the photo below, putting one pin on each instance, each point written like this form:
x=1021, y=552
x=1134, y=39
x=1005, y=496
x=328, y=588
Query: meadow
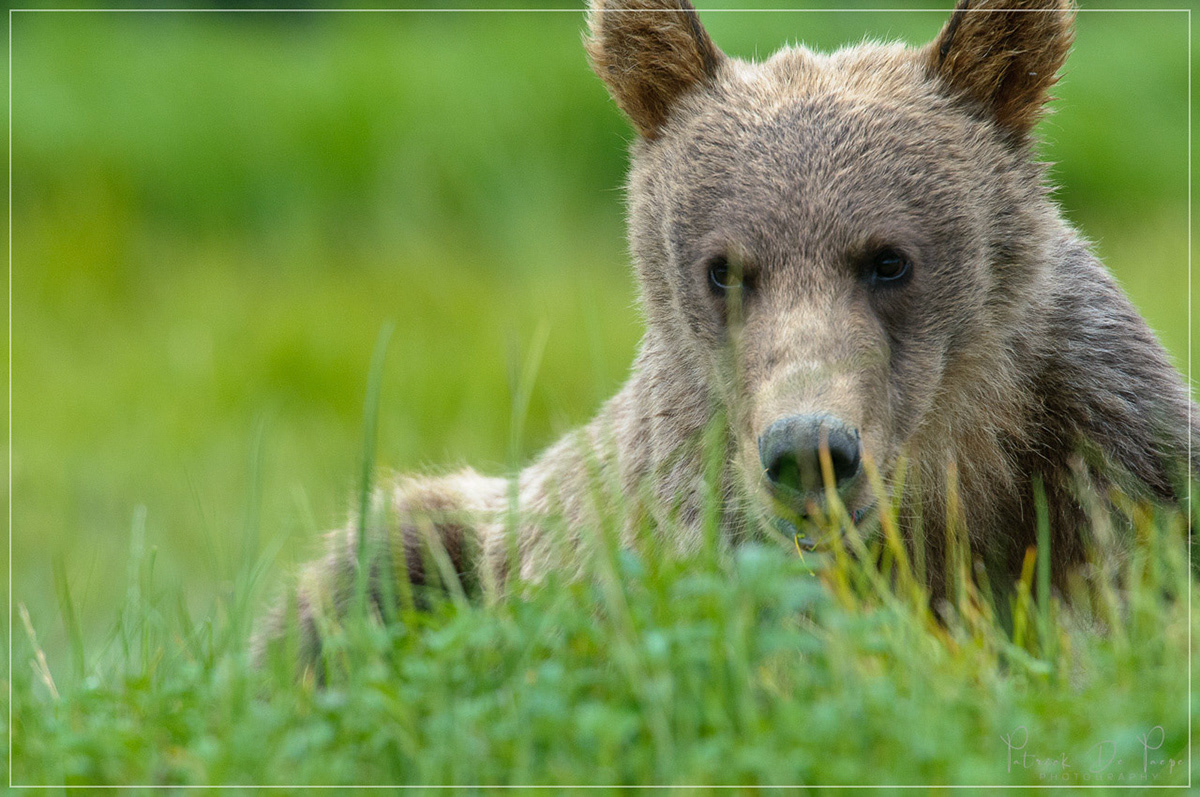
x=213, y=218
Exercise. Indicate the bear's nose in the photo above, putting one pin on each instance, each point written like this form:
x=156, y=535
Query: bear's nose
x=790, y=451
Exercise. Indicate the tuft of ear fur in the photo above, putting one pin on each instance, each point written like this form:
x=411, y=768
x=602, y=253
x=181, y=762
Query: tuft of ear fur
x=649, y=53
x=1004, y=55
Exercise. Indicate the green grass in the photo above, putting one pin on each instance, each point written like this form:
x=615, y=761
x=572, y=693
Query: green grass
x=213, y=219
x=751, y=666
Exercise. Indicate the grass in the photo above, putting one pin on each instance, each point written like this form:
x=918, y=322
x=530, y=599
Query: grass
x=744, y=666
x=213, y=219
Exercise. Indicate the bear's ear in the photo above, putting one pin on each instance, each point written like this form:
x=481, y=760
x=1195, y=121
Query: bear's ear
x=1004, y=55
x=649, y=52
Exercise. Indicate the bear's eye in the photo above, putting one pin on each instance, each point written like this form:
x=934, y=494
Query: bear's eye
x=721, y=276
x=889, y=266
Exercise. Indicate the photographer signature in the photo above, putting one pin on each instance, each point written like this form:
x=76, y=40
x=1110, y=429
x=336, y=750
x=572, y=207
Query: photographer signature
x=1099, y=762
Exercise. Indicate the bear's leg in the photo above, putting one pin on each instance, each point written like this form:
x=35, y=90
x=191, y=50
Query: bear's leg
x=438, y=533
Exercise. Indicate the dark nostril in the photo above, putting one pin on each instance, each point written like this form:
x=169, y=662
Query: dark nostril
x=790, y=451
x=845, y=458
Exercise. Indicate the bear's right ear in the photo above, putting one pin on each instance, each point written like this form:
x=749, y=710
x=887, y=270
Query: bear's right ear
x=648, y=53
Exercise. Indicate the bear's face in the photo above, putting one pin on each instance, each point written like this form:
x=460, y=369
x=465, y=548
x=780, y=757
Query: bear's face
x=825, y=240
x=817, y=227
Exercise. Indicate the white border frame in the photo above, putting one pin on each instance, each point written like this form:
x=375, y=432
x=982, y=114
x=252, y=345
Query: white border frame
x=1190, y=383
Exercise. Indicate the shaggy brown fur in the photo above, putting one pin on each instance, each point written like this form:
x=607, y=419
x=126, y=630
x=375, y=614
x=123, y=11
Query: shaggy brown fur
x=1004, y=61
x=1004, y=353
x=629, y=40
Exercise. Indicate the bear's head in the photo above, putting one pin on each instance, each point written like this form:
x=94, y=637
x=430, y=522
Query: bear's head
x=839, y=247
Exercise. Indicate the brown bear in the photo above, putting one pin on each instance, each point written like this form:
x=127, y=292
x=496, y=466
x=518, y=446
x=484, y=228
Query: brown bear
x=842, y=259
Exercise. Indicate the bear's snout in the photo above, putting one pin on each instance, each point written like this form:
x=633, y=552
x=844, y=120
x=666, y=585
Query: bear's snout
x=790, y=449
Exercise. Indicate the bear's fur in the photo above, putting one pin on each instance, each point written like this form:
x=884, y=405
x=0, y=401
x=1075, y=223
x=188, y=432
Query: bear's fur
x=1005, y=355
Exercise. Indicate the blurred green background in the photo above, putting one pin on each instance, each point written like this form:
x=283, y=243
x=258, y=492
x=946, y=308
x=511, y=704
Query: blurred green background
x=214, y=215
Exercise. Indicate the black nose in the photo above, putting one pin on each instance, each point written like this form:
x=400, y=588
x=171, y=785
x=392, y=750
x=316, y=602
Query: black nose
x=790, y=451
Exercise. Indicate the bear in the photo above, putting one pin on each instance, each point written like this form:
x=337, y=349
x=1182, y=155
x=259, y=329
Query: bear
x=846, y=262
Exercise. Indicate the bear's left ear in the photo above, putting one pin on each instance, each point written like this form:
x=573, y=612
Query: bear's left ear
x=649, y=53
x=1003, y=56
